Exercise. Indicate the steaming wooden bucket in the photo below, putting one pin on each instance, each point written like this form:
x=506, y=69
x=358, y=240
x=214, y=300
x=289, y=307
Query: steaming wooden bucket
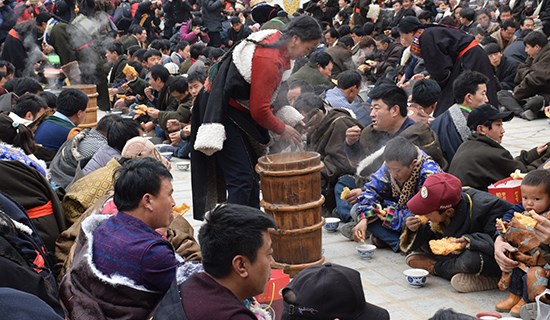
x=291, y=191
x=91, y=110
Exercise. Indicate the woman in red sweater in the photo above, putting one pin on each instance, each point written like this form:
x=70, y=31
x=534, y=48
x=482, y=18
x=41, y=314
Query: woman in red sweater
x=236, y=115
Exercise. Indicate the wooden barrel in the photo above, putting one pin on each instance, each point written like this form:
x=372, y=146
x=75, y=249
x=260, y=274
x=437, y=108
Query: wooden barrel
x=91, y=109
x=291, y=192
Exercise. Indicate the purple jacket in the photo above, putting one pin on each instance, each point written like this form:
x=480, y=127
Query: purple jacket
x=187, y=34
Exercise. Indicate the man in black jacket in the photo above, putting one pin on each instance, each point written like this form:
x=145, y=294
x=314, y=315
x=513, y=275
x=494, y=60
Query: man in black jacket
x=467, y=215
x=505, y=68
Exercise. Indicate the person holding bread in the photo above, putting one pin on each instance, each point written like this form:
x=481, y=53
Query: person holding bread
x=517, y=247
x=457, y=243
x=381, y=208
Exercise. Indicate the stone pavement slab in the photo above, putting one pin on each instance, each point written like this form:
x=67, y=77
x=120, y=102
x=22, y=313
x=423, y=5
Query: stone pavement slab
x=382, y=278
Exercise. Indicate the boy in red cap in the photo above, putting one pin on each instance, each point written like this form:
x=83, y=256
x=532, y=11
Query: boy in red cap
x=468, y=215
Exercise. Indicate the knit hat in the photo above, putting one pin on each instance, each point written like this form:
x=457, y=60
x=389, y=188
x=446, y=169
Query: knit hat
x=440, y=191
x=409, y=24
x=327, y=292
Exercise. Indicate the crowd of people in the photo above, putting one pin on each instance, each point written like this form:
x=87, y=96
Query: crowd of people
x=404, y=101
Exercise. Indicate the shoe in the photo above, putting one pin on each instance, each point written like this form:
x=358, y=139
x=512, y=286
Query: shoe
x=465, y=282
x=528, y=311
x=346, y=229
x=514, y=312
x=378, y=243
x=420, y=260
x=528, y=115
x=508, y=303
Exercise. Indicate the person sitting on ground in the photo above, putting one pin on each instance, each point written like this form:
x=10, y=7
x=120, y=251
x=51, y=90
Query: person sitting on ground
x=328, y=291
x=505, y=68
x=484, y=22
x=317, y=71
x=506, y=34
x=237, y=257
x=120, y=131
x=481, y=160
x=467, y=216
x=346, y=96
x=517, y=246
x=116, y=57
x=326, y=129
x=470, y=91
x=424, y=100
x=59, y=127
x=391, y=56
x=389, y=119
x=381, y=207
x=121, y=264
x=179, y=91
x=77, y=151
x=28, y=108
x=341, y=55
x=532, y=92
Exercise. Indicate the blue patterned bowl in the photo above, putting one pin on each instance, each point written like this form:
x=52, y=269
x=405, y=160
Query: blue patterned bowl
x=416, y=277
x=366, y=250
x=331, y=224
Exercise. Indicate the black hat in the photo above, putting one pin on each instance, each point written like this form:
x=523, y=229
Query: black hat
x=491, y=48
x=485, y=113
x=329, y=291
x=409, y=24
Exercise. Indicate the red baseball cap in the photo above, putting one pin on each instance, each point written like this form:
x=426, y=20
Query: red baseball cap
x=440, y=191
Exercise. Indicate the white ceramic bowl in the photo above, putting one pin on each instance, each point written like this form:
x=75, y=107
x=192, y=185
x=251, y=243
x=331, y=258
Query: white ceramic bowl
x=416, y=277
x=331, y=224
x=366, y=250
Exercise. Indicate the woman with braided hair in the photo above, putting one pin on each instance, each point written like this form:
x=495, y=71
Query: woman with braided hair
x=235, y=116
x=383, y=204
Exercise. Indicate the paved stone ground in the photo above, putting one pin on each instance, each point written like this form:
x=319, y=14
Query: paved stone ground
x=382, y=276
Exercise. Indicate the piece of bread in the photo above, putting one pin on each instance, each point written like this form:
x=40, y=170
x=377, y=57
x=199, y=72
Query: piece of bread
x=141, y=109
x=499, y=221
x=423, y=219
x=381, y=211
x=516, y=175
x=526, y=220
x=344, y=193
x=444, y=246
x=181, y=209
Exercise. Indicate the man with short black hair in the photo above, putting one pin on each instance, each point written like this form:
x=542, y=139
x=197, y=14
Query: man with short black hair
x=137, y=37
x=505, y=68
x=506, y=34
x=28, y=108
x=425, y=93
x=237, y=257
x=114, y=53
x=470, y=91
x=122, y=266
x=317, y=71
x=341, y=55
x=237, y=32
x=346, y=96
x=467, y=19
x=57, y=128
